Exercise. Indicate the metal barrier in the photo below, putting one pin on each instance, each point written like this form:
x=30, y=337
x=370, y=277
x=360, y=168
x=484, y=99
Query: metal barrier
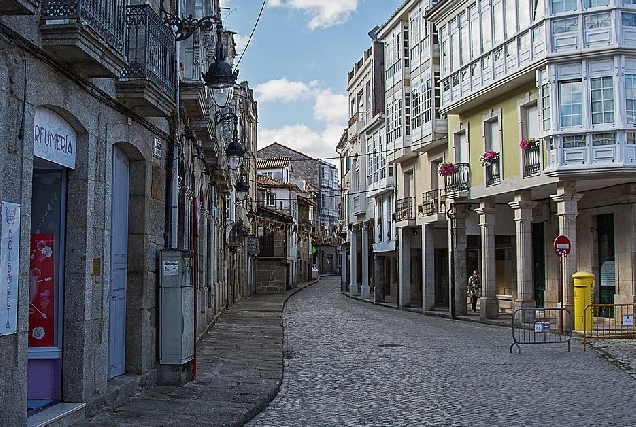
x=609, y=321
x=541, y=326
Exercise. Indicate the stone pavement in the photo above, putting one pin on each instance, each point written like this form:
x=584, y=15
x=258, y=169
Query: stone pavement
x=348, y=363
x=239, y=371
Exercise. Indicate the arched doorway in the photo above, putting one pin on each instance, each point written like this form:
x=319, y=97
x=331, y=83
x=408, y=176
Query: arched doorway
x=118, y=265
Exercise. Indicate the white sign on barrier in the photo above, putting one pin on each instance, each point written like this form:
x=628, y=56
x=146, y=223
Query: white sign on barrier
x=628, y=320
x=541, y=327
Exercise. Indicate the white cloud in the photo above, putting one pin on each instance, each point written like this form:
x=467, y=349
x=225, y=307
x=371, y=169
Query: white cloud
x=241, y=42
x=283, y=90
x=330, y=107
x=302, y=138
x=322, y=13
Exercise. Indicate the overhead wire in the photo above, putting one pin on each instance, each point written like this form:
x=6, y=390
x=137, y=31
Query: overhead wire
x=249, y=39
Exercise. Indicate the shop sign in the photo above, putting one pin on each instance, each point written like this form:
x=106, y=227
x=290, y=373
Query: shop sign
x=9, y=262
x=53, y=138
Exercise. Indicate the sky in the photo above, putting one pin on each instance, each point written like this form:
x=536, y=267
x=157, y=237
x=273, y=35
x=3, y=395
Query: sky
x=297, y=64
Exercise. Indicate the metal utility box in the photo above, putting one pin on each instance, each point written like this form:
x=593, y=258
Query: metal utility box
x=176, y=307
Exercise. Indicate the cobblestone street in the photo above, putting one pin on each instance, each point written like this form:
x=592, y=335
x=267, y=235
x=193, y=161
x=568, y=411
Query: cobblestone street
x=349, y=363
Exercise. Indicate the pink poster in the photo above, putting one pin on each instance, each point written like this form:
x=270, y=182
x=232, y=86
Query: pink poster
x=41, y=292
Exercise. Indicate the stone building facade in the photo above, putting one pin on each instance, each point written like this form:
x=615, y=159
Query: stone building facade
x=109, y=163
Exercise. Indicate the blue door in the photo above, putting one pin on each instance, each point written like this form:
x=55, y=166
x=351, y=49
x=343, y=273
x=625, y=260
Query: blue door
x=118, y=266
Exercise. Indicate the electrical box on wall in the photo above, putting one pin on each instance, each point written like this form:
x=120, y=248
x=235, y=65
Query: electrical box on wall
x=176, y=307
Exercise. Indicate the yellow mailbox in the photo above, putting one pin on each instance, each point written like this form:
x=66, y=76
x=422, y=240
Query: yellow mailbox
x=583, y=291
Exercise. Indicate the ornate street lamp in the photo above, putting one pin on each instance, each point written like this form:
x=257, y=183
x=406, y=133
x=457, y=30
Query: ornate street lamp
x=242, y=187
x=234, y=151
x=219, y=74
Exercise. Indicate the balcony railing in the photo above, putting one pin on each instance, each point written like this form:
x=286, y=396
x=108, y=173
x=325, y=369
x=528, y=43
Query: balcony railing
x=404, y=209
x=105, y=17
x=493, y=173
x=433, y=202
x=18, y=7
x=460, y=179
x=531, y=160
x=150, y=47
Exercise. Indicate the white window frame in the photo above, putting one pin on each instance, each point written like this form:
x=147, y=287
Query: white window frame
x=630, y=98
x=604, y=105
x=562, y=105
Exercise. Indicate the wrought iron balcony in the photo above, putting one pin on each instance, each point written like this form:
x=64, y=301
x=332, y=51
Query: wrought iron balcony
x=531, y=160
x=459, y=180
x=18, y=7
x=493, y=174
x=148, y=82
x=404, y=209
x=87, y=35
x=433, y=202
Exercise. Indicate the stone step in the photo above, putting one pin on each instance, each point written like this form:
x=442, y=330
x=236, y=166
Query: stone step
x=59, y=415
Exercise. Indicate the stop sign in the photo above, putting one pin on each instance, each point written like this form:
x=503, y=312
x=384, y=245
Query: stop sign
x=562, y=246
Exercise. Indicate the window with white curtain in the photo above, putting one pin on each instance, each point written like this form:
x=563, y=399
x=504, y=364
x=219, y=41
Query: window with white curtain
x=475, y=32
x=492, y=135
x=464, y=38
x=498, y=22
x=486, y=24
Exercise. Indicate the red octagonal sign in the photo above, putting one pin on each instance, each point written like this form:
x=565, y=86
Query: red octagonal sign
x=562, y=245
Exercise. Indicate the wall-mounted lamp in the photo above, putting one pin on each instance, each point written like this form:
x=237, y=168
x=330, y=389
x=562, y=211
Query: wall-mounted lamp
x=219, y=74
x=242, y=187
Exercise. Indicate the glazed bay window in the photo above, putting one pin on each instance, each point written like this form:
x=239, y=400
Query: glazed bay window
x=595, y=3
x=605, y=138
x=628, y=19
x=598, y=29
x=630, y=98
x=545, y=106
x=563, y=5
x=602, y=98
x=416, y=108
x=565, y=34
x=571, y=103
x=574, y=141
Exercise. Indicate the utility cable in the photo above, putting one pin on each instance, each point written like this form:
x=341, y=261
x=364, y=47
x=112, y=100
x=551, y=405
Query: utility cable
x=249, y=39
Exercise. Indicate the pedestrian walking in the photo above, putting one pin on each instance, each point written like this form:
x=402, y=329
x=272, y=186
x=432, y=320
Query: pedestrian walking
x=474, y=289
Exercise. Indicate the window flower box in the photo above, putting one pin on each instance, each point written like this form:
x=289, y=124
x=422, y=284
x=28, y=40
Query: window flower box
x=488, y=158
x=447, y=169
x=527, y=143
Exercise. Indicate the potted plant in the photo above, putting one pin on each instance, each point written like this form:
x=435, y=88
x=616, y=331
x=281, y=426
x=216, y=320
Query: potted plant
x=489, y=157
x=527, y=143
x=446, y=169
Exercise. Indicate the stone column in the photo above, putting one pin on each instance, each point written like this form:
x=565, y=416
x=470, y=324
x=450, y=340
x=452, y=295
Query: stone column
x=489, y=306
x=567, y=211
x=343, y=268
x=380, y=278
x=522, y=208
x=365, y=289
x=404, y=269
x=353, y=263
x=457, y=256
x=428, y=268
